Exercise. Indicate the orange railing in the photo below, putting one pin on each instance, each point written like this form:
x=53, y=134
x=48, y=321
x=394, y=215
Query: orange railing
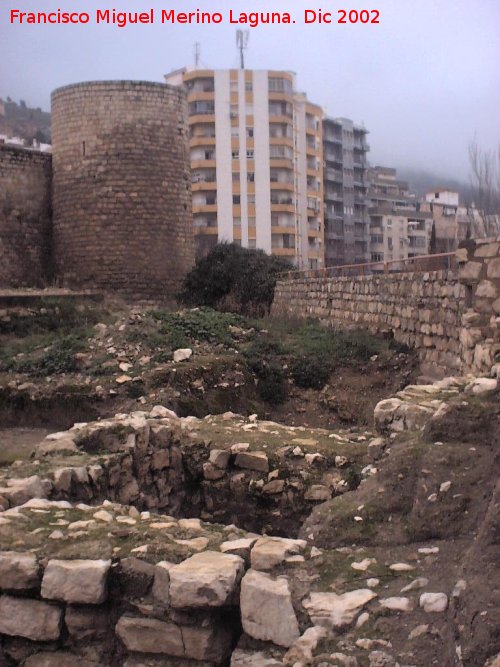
x=438, y=262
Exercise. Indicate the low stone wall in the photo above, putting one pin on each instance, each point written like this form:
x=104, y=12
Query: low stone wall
x=423, y=310
x=449, y=317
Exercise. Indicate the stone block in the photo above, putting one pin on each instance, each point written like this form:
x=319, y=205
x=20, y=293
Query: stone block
x=493, y=270
x=208, y=579
x=18, y=571
x=77, y=581
x=31, y=619
x=253, y=461
x=266, y=609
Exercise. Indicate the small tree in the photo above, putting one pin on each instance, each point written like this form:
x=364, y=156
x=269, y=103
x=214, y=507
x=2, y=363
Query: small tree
x=485, y=182
x=233, y=278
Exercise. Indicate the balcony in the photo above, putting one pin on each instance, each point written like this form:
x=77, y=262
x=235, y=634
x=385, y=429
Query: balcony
x=333, y=175
x=332, y=196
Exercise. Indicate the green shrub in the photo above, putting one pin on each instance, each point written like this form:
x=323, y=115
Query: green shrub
x=310, y=372
x=59, y=358
x=272, y=386
x=233, y=278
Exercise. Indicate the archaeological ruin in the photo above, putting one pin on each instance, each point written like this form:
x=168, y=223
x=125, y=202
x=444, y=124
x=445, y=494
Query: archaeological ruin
x=193, y=488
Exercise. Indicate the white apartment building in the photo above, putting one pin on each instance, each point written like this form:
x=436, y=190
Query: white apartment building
x=256, y=162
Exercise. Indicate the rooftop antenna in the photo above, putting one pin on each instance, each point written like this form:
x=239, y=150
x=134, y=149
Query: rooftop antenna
x=196, y=54
x=242, y=42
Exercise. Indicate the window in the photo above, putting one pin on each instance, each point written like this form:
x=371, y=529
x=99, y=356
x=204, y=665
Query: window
x=250, y=176
x=237, y=222
x=235, y=154
x=251, y=200
x=248, y=86
x=252, y=243
x=236, y=200
x=236, y=176
x=377, y=256
x=250, y=132
x=249, y=153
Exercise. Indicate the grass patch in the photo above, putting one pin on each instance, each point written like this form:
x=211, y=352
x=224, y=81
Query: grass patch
x=41, y=360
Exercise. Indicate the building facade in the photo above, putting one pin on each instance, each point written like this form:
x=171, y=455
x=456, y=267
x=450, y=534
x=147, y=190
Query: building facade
x=345, y=186
x=256, y=162
x=399, y=228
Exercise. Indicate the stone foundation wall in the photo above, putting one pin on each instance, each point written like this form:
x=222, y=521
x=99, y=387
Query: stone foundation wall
x=451, y=318
x=25, y=217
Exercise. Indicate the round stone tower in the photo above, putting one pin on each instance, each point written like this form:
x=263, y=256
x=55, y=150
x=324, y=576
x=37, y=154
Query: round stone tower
x=122, y=216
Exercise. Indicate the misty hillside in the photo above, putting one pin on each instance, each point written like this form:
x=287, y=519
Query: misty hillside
x=422, y=182
x=20, y=120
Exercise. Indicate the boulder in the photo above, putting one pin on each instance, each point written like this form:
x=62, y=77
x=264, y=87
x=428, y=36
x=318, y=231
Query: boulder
x=385, y=412
x=266, y=609
x=77, y=581
x=208, y=579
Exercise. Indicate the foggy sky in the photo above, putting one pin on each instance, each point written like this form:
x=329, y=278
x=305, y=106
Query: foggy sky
x=424, y=82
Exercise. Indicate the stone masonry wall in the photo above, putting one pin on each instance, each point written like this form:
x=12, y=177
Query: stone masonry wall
x=25, y=217
x=122, y=188
x=451, y=318
x=422, y=309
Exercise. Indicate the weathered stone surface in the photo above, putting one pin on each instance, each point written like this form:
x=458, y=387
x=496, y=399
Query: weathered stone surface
x=273, y=487
x=31, y=619
x=486, y=250
x=385, y=411
x=397, y=604
x=18, y=570
x=318, y=492
x=239, y=547
x=493, y=270
x=433, y=602
x=59, y=659
x=301, y=652
x=208, y=579
x=266, y=609
x=86, y=622
x=487, y=290
x=482, y=386
x=161, y=584
x=330, y=610
x=20, y=490
x=182, y=354
x=149, y=635
x=78, y=581
x=240, y=658
x=219, y=458
x=270, y=551
x=470, y=271
x=252, y=461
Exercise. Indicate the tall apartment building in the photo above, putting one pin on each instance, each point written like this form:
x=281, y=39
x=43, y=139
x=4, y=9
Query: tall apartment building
x=256, y=161
x=347, y=234
x=399, y=229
